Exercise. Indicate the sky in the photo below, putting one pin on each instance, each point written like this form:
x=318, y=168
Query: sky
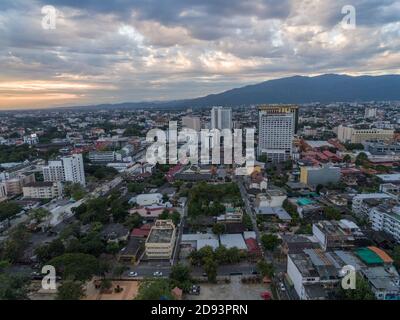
x=104, y=51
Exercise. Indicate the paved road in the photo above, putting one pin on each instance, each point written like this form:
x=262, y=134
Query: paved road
x=244, y=269
x=250, y=211
x=175, y=256
x=147, y=270
x=279, y=267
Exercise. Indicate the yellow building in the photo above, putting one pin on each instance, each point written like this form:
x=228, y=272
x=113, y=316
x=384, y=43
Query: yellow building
x=42, y=190
x=161, y=240
x=349, y=134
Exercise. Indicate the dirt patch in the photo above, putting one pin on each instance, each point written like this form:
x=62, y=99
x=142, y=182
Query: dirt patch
x=235, y=290
x=129, y=292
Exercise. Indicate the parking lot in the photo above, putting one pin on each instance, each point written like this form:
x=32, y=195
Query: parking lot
x=235, y=290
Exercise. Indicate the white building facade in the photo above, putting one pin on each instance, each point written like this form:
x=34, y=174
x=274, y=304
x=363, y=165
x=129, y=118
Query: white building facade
x=67, y=169
x=276, y=128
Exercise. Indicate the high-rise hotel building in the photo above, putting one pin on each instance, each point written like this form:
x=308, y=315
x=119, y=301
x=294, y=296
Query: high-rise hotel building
x=276, y=128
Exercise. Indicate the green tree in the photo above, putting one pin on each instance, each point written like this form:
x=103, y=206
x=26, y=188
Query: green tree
x=332, y=213
x=4, y=264
x=263, y=158
x=105, y=284
x=155, y=290
x=112, y=248
x=234, y=255
x=175, y=217
x=49, y=251
x=361, y=292
x=133, y=221
x=247, y=222
x=210, y=267
x=12, y=287
x=361, y=159
x=347, y=158
x=74, y=190
x=180, y=276
x=269, y=241
x=266, y=269
x=165, y=198
x=118, y=270
x=218, y=228
x=76, y=266
x=195, y=258
x=396, y=257
x=9, y=209
x=16, y=244
x=222, y=255
x=135, y=187
x=40, y=214
x=70, y=290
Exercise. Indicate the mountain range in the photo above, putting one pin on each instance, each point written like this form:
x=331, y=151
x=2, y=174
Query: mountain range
x=297, y=89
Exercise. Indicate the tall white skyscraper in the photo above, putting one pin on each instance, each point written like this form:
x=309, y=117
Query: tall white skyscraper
x=221, y=118
x=67, y=169
x=276, y=129
x=191, y=123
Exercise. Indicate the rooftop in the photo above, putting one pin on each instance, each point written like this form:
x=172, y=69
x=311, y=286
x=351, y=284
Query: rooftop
x=304, y=201
x=233, y=240
x=318, y=144
x=383, y=279
x=368, y=256
x=389, y=177
x=161, y=232
x=39, y=184
x=160, y=235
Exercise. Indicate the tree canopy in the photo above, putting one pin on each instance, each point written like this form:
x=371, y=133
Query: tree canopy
x=76, y=266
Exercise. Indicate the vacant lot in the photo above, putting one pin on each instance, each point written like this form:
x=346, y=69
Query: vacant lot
x=129, y=292
x=230, y=291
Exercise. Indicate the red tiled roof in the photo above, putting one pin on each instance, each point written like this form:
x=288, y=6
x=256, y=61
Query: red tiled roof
x=139, y=233
x=321, y=156
x=252, y=245
x=146, y=226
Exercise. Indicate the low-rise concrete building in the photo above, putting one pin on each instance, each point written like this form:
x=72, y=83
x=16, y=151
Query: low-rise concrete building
x=161, y=240
x=43, y=190
x=322, y=175
x=233, y=241
x=148, y=199
x=338, y=234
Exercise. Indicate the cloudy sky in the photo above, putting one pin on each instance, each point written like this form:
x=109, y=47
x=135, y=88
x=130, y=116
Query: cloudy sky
x=105, y=51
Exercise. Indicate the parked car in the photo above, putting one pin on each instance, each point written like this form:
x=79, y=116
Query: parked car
x=266, y=295
x=195, y=290
x=282, y=286
x=157, y=274
x=132, y=274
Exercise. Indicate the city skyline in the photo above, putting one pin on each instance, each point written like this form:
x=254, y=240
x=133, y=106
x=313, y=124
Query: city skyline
x=147, y=51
